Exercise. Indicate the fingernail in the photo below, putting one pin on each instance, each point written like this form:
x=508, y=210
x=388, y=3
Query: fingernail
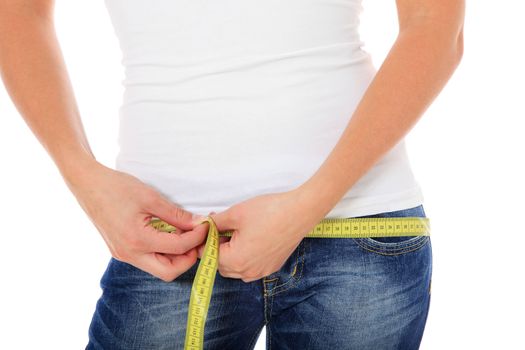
x=197, y=219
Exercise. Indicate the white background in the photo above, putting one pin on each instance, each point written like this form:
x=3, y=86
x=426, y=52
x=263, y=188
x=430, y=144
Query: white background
x=466, y=151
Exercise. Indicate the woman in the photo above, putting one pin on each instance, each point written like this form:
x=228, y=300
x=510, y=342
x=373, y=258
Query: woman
x=269, y=117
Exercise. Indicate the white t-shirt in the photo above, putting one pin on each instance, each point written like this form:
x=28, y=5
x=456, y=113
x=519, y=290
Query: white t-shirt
x=226, y=100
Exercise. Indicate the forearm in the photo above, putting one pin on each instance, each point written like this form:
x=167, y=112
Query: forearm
x=35, y=76
x=413, y=73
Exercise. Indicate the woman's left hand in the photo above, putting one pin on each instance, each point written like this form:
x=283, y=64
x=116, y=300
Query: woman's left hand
x=266, y=230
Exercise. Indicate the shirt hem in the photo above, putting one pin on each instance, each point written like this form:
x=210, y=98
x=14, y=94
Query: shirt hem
x=352, y=207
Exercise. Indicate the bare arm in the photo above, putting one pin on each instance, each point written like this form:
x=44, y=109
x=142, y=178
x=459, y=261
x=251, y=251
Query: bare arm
x=428, y=48
x=35, y=76
x=119, y=205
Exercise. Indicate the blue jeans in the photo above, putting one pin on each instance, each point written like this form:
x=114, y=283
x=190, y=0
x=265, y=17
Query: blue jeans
x=331, y=293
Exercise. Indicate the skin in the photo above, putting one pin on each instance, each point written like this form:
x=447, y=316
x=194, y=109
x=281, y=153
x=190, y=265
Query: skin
x=267, y=228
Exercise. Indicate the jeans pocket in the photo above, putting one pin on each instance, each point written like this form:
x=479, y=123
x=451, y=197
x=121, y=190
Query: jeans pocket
x=396, y=245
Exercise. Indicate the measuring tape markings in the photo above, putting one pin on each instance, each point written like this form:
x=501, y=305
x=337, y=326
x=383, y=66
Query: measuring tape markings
x=328, y=228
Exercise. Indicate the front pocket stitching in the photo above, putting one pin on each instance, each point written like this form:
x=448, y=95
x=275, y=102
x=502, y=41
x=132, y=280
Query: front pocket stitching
x=394, y=251
x=410, y=242
x=393, y=245
x=379, y=246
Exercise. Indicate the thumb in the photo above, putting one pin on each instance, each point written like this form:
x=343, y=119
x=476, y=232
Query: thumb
x=200, y=248
x=174, y=215
x=224, y=220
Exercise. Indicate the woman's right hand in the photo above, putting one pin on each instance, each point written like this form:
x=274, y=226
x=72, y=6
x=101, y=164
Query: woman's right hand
x=121, y=206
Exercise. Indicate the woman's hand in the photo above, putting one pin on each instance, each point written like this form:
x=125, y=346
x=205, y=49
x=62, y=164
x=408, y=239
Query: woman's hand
x=266, y=231
x=121, y=206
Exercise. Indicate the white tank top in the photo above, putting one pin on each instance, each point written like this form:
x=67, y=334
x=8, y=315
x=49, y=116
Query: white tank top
x=226, y=100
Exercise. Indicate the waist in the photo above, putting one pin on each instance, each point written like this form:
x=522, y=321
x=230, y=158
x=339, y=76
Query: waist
x=300, y=107
x=315, y=72
x=207, y=182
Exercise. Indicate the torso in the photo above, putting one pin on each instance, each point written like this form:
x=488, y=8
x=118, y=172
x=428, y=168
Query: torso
x=227, y=100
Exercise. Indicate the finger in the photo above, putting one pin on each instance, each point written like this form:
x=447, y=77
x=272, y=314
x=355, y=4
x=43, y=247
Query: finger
x=200, y=250
x=167, y=268
x=169, y=258
x=224, y=272
x=226, y=264
x=224, y=220
x=172, y=243
x=230, y=274
x=174, y=215
x=200, y=219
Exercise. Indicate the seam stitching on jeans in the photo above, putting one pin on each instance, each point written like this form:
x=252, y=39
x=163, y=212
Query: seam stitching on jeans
x=392, y=253
x=299, y=275
x=265, y=297
x=278, y=287
x=252, y=341
x=400, y=252
x=379, y=246
x=271, y=308
x=395, y=246
x=272, y=279
x=268, y=328
x=269, y=338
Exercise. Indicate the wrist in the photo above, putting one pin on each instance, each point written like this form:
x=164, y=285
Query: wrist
x=77, y=168
x=317, y=198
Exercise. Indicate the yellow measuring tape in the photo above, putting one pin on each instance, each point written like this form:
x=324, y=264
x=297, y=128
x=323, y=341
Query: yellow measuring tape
x=327, y=228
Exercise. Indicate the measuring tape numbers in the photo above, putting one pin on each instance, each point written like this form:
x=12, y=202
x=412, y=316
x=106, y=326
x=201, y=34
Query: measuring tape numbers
x=327, y=228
